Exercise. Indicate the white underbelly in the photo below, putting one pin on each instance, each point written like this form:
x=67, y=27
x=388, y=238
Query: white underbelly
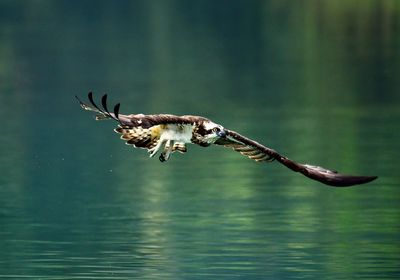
x=178, y=133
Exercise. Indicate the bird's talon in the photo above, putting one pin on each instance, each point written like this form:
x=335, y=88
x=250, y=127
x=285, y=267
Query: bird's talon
x=162, y=157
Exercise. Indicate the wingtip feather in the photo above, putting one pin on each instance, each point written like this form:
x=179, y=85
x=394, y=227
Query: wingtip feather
x=104, y=103
x=79, y=100
x=349, y=180
x=116, y=112
x=90, y=97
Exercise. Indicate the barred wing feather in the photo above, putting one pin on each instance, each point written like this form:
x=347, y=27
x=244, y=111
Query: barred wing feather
x=258, y=152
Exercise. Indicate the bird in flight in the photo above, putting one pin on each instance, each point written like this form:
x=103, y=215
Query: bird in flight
x=169, y=133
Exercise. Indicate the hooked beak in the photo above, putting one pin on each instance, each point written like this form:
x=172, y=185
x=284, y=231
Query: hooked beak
x=221, y=134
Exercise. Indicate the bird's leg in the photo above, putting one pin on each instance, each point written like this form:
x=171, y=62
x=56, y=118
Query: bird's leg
x=180, y=147
x=164, y=156
x=155, y=149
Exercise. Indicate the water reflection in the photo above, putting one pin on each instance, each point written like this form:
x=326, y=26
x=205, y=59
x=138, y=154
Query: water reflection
x=209, y=212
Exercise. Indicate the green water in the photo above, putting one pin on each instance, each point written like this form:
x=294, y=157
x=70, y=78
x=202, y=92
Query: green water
x=318, y=81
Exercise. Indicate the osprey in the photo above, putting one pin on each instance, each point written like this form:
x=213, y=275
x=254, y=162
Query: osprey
x=170, y=133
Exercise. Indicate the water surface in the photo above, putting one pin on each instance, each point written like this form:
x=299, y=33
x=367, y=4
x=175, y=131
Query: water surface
x=318, y=83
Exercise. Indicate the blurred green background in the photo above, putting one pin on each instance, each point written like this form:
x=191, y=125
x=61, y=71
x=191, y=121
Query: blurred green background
x=316, y=80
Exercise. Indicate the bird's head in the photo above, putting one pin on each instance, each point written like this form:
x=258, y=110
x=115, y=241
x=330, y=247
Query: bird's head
x=211, y=132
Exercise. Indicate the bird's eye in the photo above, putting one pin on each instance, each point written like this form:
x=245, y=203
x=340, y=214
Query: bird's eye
x=215, y=129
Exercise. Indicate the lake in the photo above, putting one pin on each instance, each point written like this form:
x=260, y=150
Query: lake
x=316, y=81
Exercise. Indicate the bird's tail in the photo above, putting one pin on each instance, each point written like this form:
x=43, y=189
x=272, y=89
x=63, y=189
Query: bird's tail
x=102, y=113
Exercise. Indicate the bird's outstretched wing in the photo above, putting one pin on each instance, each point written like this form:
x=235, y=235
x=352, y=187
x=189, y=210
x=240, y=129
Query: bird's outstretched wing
x=133, y=120
x=258, y=152
x=138, y=130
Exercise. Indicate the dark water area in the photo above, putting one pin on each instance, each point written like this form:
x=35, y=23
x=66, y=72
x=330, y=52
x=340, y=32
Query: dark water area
x=316, y=80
